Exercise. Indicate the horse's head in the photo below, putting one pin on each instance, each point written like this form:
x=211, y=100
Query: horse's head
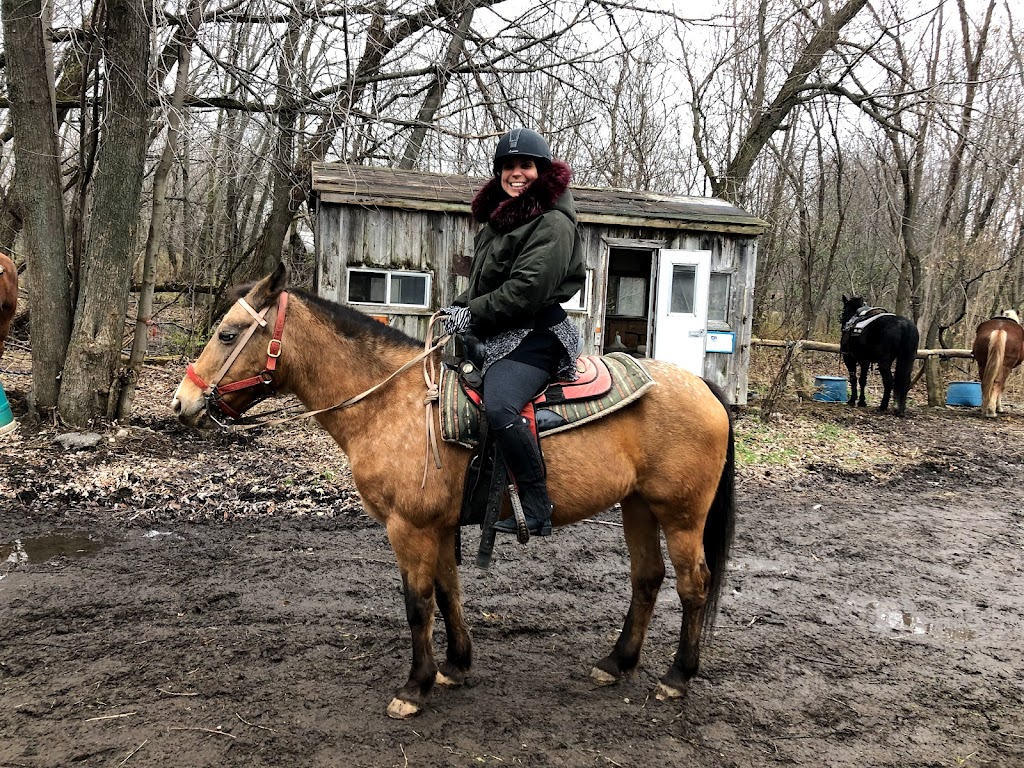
x=850, y=307
x=236, y=367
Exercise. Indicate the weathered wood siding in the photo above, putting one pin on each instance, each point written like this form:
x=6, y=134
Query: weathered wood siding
x=391, y=238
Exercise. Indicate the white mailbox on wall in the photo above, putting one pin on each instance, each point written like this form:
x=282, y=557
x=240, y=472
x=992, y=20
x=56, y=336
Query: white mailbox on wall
x=720, y=341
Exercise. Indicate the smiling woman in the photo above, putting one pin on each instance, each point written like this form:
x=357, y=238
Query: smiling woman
x=527, y=261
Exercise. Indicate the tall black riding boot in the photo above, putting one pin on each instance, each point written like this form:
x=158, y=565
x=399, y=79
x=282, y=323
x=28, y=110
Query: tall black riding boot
x=522, y=456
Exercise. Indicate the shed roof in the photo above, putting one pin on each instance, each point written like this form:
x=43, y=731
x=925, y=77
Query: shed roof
x=415, y=190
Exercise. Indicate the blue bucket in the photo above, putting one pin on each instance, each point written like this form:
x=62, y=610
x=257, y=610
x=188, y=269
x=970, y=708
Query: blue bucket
x=830, y=389
x=964, y=393
x=7, y=422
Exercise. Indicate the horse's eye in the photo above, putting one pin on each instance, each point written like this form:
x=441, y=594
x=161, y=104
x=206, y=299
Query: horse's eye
x=227, y=337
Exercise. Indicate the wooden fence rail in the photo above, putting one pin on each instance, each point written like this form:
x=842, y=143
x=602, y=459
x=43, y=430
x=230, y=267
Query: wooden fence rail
x=825, y=346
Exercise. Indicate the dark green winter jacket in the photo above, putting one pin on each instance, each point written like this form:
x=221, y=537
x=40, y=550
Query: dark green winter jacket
x=528, y=258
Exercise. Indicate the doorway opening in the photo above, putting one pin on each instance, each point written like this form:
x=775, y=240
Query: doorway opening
x=627, y=320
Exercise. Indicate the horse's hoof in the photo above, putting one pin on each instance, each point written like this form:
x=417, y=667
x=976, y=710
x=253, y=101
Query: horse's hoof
x=602, y=678
x=449, y=682
x=399, y=709
x=666, y=692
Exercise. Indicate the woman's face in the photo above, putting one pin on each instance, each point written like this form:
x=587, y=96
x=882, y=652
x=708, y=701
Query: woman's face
x=517, y=173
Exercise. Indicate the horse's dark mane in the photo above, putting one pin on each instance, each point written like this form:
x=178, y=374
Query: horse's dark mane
x=351, y=322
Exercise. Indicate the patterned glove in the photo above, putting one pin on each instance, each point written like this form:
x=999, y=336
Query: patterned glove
x=458, y=319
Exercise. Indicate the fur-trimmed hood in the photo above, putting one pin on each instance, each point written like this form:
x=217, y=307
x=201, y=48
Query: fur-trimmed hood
x=493, y=206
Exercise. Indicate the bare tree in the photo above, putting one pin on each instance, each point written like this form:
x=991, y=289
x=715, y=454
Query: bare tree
x=38, y=158
x=91, y=380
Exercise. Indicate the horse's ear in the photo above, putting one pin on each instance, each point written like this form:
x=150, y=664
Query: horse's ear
x=269, y=288
x=845, y=299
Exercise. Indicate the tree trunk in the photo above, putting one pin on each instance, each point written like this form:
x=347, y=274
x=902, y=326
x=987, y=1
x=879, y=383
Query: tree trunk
x=37, y=158
x=157, y=223
x=91, y=376
x=286, y=197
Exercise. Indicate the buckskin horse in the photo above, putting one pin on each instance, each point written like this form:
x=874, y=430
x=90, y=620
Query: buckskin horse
x=875, y=336
x=998, y=348
x=8, y=297
x=668, y=458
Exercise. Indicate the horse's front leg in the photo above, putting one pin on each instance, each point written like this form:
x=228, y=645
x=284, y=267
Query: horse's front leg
x=416, y=551
x=864, y=369
x=459, y=651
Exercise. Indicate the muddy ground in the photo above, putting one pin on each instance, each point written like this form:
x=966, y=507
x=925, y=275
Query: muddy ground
x=169, y=598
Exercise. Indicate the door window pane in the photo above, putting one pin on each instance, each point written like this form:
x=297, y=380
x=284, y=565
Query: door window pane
x=718, y=297
x=628, y=297
x=370, y=287
x=409, y=289
x=684, y=283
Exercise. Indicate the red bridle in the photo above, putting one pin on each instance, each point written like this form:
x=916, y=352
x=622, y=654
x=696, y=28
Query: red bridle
x=214, y=394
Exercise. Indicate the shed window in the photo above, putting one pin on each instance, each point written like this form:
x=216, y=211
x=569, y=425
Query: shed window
x=718, y=297
x=386, y=286
x=581, y=301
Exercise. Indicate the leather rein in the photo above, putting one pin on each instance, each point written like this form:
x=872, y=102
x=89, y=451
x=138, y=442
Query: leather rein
x=214, y=393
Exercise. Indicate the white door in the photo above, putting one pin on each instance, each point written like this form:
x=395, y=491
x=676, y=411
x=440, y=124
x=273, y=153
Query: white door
x=681, y=308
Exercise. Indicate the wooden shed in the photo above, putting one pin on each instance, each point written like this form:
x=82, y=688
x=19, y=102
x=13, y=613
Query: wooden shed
x=669, y=277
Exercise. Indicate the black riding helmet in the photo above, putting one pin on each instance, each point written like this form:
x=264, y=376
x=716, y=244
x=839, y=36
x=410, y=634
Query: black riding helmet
x=521, y=142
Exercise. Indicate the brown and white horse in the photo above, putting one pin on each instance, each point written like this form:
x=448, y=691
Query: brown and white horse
x=8, y=297
x=668, y=458
x=998, y=348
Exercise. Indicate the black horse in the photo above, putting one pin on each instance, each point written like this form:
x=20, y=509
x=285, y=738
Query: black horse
x=872, y=335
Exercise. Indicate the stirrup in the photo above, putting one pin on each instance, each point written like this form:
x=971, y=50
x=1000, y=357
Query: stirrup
x=534, y=526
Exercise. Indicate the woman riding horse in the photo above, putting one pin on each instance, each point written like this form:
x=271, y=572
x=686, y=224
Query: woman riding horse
x=527, y=259
x=668, y=459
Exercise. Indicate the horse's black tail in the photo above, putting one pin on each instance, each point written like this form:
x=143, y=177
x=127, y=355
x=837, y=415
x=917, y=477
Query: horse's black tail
x=720, y=523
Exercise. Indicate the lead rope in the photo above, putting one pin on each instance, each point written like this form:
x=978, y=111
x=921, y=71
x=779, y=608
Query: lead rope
x=432, y=396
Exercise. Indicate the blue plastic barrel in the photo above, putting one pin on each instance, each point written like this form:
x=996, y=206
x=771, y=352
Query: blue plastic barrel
x=830, y=389
x=7, y=422
x=964, y=393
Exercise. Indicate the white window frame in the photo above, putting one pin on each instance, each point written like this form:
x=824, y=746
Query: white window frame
x=719, y=325
x=581, y=301
x=388, y=273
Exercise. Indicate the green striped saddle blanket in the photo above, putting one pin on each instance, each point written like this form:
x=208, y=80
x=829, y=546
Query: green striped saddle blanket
x=605, y=385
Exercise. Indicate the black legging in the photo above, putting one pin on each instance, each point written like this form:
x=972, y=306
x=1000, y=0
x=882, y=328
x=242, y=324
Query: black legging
x=508, y=386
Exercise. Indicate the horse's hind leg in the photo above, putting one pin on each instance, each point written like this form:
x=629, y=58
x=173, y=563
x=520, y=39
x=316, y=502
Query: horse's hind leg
x=459, y=650
x=851, y=369
x=865, y=368
x=416, y=550
x=686, y=549
x=902, y=381
x=885, y=371
x=646, y=573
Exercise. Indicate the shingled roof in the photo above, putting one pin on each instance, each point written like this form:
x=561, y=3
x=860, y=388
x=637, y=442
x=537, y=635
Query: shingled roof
x=415, y=190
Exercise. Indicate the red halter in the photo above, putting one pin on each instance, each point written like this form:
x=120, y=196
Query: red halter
x=214, y=394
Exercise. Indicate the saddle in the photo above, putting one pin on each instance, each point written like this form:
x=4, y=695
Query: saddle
x=861, y=319
x=605, y=385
